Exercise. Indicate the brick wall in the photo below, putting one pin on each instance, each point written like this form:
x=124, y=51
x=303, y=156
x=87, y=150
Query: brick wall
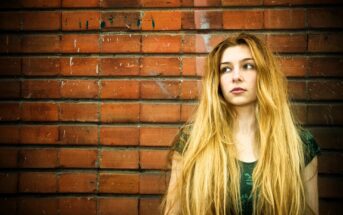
x=93, y=91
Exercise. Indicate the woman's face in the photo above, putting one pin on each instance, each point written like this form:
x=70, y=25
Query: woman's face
x=238, y=76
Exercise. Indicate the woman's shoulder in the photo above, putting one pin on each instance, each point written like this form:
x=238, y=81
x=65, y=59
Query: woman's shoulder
x=181, y=138
x=311, y=147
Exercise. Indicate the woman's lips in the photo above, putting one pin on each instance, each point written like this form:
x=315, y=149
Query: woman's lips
x=237, y=90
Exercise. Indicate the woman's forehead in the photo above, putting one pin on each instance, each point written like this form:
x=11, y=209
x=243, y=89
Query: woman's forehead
x=236, y=53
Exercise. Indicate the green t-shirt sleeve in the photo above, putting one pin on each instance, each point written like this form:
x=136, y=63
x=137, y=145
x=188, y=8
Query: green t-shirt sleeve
x=180, y=140
x=311, y=148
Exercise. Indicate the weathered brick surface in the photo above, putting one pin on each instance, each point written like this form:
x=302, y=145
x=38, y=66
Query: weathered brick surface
x=93, y=93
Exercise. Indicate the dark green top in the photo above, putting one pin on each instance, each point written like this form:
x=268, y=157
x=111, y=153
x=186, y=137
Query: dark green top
x=311, y=150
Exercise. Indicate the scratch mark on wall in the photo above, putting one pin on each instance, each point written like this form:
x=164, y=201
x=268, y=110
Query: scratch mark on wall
x=102, y=24
x=152, y=22
x=162, y=87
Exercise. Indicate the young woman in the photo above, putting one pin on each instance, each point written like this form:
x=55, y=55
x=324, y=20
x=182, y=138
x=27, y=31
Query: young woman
x=242, y=152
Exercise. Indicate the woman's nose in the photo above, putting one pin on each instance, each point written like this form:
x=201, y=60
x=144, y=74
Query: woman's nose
x=236, y=75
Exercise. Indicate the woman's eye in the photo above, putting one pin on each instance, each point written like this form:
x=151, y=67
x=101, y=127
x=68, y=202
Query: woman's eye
x=226, y=69
x=248, y=66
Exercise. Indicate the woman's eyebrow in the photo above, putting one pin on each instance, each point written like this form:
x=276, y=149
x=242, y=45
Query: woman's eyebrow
x=244, y=59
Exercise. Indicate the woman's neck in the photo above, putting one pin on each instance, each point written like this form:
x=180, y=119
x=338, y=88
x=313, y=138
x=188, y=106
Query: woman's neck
x=246, y=120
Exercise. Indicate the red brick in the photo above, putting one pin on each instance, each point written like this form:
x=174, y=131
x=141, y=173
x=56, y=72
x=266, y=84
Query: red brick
x=243, y=19
x=119, y=112
x=119, y=159
x=34, y=66
x=330, y=163
x=119, y=66
x=79, y=112
x=39, y=206
x=152, y=184
x=41, y=21
x=77, y=206
x=325, y=90
x=8, y=206
x=75, y=66
x=186, y=111
x=154, y=3
x=300, y=113
x=120, y=3
x=161, y=20
x=120, y=89
x=77, y=158
x=14, y=24
x=10, y=66
x=9, y=134
x=9, y=89
x=297, y=90
x=284, y=19
x=37, y=158
x=8, y=182
x=39, y=111
x=9, y=111
x=10, y=43
x=121, y=205
x=299, y=2
x=161, y=43
x=39, y=134
x=40, y=89
x=80, y=3
x=77, y=182
x=79, y=89
x=190, y=89
x=287, y=43
x=160, y=66
x=159, y=136
x=193, y=66
x=200, y=43
x=187, y=3
x=40, y=44
x=78, y=135
x=40, y=3
x=37, y=182
x=330, y=187
x=120, y=43
x=328, y=137
x=328, y=42
x=153, y=159
x=160, y=89
x=325, y=67
x=118, y=183
x=325, y=114
x=325, y=18
x=80, y=43
x=149, y=206
x=294, y=66
x=241, y=3
x=120, y=21
x=80, y=20
x=119, y=136
x=8, y=157
x=205, y=3
x=201, y=19
x=160, y=113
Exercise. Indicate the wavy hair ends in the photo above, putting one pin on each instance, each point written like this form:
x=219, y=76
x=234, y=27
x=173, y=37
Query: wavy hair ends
x=209, y=182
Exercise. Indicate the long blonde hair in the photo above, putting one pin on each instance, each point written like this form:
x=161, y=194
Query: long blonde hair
x=210, y=175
